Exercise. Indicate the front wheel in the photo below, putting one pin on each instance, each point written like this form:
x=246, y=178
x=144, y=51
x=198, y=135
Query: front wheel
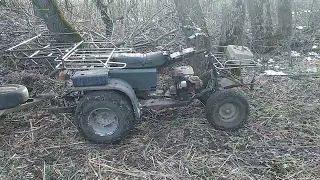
x=104, y=117
x=227, y=109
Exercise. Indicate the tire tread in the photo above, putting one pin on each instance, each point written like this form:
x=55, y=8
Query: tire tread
x=111, y=96
x=219, y=96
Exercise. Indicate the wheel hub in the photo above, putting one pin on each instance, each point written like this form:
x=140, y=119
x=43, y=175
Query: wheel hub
x=104, y=121
x=228, y=112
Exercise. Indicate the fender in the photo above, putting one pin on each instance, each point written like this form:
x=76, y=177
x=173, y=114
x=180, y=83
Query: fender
x=119, y=85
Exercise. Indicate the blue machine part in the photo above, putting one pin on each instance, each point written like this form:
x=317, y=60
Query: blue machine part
x=140, y=79
x=96, y=77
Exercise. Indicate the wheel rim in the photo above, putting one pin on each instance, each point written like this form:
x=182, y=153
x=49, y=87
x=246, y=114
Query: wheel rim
x=228, y=112
x=103, y=121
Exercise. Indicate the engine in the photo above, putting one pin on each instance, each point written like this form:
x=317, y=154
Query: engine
x=185, y=83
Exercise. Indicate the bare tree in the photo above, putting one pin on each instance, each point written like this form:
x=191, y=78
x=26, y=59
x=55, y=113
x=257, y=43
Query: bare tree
x=261, y=24
x=54, y=18
x=105, y=17
x=190, y=15
x=255, y=11
x=285, y=18
x=314, y=19
x=233, y=23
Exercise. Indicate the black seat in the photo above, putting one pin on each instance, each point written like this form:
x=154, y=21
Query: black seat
x=139, y=60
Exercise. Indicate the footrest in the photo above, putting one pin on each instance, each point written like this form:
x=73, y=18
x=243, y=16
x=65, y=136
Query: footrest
x=30, y=103
x=158, y=104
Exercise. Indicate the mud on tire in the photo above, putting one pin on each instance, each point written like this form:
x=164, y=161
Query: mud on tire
x=227, y=109
x=104, y=117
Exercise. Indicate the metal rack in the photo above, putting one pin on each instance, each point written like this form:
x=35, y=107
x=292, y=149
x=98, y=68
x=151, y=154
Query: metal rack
x=235, y=64
x=89, y=55
x=42, y=50
x=222, y=62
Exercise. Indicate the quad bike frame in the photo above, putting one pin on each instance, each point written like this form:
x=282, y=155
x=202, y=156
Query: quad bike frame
x=104, y=112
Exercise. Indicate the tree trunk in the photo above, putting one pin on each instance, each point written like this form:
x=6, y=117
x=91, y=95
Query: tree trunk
x=315, y=15
x=261, y=25
x=268, y=23
x=105, y=17
x=233, y=23
x=190, y=14
x=54, y=18
x=255, y=12
x=285, y=18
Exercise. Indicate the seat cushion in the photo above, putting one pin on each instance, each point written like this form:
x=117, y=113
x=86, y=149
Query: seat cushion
x=139, y=60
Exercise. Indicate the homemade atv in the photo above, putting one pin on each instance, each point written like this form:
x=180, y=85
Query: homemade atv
x=111, y=85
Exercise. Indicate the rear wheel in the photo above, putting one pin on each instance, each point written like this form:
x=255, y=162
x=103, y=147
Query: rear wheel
x=104, y=117
x=227, y=109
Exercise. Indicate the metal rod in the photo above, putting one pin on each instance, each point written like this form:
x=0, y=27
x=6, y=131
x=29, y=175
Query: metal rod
x=51, y=34
x=106, y=63
x=58, y=66
x=72, y=50
x=98, y=64
x=83, y=61
x=37, y=52
x=38, y=57
x=24, y=42
x=33, y=49
x=83, y=58
x=104, y=49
